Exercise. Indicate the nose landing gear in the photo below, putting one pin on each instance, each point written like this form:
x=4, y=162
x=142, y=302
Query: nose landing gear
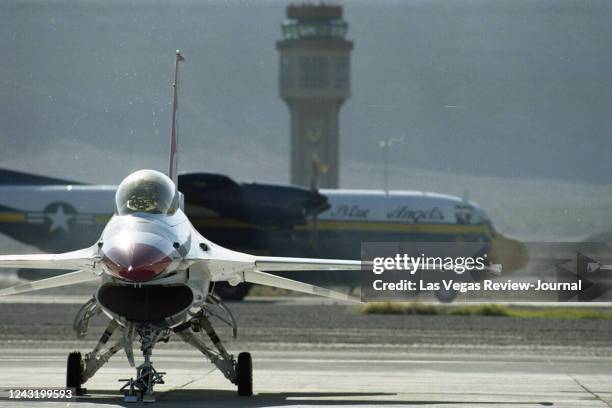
x=141, y=388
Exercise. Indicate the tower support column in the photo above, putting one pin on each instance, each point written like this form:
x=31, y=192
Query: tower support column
x=314, y=82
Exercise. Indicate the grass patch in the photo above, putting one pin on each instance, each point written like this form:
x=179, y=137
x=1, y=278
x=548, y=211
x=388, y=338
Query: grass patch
x=564, y=313
x=415, y=308
x=481, y=310
x=412, y=308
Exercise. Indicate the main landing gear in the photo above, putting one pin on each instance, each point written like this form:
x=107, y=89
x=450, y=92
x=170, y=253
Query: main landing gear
x=238, y=371
x=244, y=374
x=141, y=388
x=79, y=370
x=74, y=372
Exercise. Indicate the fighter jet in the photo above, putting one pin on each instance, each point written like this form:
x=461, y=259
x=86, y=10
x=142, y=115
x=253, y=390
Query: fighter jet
x=154, y=272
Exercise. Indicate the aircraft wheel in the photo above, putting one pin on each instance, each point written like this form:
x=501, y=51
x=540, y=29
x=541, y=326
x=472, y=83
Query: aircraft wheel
x=229, y=292
x=244, y=374
x=446, y=296
x=74, y=370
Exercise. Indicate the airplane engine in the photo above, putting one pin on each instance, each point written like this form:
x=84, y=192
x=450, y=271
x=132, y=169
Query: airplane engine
x=146, y=303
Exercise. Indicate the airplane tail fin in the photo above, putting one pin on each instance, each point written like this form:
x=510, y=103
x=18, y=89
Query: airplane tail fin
x=173, y=162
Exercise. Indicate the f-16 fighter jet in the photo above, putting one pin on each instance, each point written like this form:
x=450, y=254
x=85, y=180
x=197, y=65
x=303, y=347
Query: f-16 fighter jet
x=154, y=272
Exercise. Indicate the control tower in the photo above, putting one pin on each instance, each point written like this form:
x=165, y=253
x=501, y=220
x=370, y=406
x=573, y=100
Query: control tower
x=314, y=82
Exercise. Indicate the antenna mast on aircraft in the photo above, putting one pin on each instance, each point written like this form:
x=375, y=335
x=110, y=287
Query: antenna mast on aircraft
x=173, y=164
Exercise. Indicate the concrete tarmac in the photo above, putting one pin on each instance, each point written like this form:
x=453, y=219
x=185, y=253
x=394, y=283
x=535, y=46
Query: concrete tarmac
x=306, y=376
x=312, y=353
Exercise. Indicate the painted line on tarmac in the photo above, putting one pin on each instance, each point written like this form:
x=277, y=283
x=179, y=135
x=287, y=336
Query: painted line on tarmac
x=274, y=360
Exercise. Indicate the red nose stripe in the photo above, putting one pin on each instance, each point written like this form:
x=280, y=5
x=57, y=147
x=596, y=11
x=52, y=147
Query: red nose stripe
x=136, y=262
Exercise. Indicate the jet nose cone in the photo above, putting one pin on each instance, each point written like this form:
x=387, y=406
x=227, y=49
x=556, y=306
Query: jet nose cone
x=136, y=262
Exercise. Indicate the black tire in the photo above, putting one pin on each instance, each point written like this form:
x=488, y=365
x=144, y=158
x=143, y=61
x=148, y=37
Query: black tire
x=446, y=296
x=244, y=375
x=74, y=371
x=229, y=292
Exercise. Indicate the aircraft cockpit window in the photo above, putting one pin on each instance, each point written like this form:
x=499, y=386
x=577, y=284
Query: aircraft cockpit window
x=146, y=191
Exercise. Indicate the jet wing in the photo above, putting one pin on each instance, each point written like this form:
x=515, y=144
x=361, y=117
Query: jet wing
x=267, y=279
x=75, y=260
x=265, y=264
x=83, y=261
x=71, y=278
x=273, y=263
x=254, y=269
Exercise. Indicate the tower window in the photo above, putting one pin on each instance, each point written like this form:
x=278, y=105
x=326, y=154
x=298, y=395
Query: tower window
x=341, y=72
x=286, y=72
x=314, y=72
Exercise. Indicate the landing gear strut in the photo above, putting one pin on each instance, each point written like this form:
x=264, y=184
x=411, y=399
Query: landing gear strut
x=141, y=387
x=239, y=372
x=79, y=369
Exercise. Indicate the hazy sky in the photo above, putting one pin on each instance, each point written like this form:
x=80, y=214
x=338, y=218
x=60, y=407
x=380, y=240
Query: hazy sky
x=513, y=90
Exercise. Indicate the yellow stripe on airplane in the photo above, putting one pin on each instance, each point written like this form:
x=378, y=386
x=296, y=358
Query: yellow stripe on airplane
x=401, y=227
x=12, y=217
x=102, y=219
x=372, y=226
x=324, y=225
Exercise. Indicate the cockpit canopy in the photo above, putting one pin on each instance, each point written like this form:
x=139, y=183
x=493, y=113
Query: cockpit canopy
x=147, y=191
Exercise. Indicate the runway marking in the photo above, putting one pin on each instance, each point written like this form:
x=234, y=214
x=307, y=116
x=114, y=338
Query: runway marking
x=584, y=387
x=272, y=360
x=575, y=380
x=325, y=361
